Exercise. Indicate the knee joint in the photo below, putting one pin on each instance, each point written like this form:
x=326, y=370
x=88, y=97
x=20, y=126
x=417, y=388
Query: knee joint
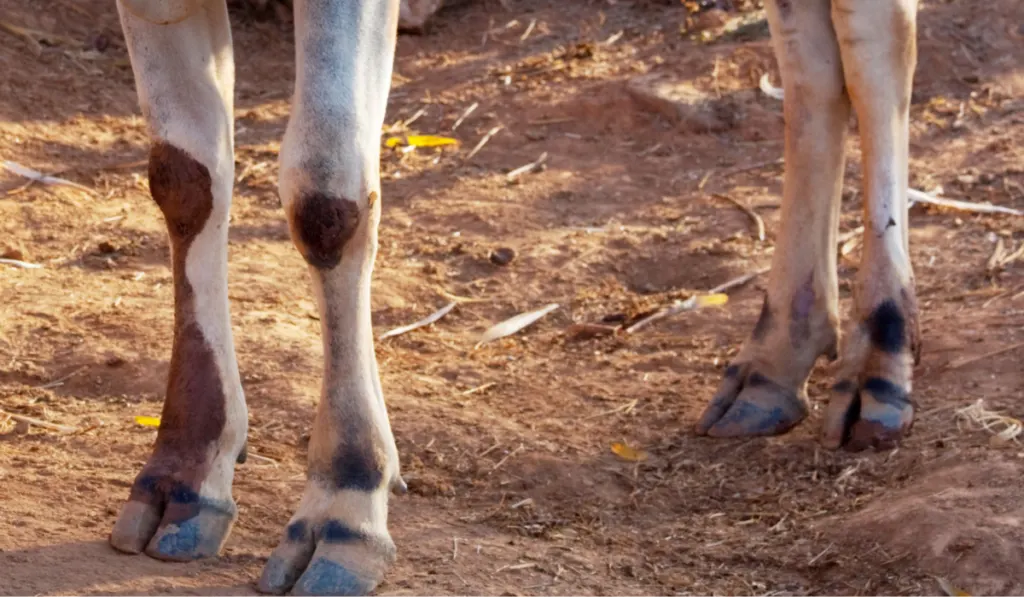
x=182, y=188
x=322, y=225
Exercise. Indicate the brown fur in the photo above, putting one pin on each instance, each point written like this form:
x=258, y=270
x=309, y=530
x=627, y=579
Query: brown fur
x=321, y=226
x=194, y=408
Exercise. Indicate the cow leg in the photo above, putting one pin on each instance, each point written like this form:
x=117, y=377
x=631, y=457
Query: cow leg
x=871, y=403
x=337, y=542
x=763, y=392
x=180, y=505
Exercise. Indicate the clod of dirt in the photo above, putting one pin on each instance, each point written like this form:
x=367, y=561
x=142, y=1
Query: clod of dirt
x=502, y=256
x=106, y=247
x=587, y=331
x=711, y=19
x=691, y=109
x=12, y=252
x=429, y=485
x=965, y=523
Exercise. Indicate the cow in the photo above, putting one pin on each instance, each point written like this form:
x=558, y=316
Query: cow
x=834, y=55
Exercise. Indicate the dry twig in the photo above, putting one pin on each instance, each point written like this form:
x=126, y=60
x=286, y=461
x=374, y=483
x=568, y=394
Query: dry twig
x=483, y=141
x=753, y=215
x=513, y=175
x=465, y=114
x=968, y=360
x=694, y=302
x=917, y=196
x=1003, y=427
x=40, y=423
x=19, y=263
x=36, y=176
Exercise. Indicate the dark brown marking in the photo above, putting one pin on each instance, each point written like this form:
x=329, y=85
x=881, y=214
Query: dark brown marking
x=764, y=321
x=800, y=313
x=182, y=187
x=322, y=225
x=194, y=407
x=887, y=327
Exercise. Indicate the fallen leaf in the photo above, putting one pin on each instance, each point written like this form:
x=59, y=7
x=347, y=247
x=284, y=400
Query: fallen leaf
x=148, y=421
x=435, y=316
x=626, y=452
x=421, y=141
x=711, y=300
x=514, y=324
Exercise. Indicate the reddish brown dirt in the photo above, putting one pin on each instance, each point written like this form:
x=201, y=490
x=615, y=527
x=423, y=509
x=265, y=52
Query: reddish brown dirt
x=615, y=225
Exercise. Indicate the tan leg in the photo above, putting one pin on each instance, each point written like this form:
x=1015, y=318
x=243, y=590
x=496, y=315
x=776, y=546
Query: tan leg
x=337, y=542
x=180, y=506
x=763, y=392
x=871, y=404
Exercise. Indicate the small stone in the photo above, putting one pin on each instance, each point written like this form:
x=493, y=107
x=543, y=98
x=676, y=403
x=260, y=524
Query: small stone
x=502, y=256
x=115, y=361
x=105, y=246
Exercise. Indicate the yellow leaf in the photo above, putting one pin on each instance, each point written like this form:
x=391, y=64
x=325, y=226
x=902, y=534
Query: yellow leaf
x=625, y=452
x=148, y=421
x=430, y=141
x=712, y=300
x=421, y=141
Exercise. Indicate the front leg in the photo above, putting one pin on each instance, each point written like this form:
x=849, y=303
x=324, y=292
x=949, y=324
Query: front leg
x=180, y=505
x=763, y=390
x=871, y=405
x=338, y=542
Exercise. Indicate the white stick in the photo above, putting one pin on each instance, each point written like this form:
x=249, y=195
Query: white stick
x=421, y=323
x=917, y=196
x=38, y=176
x=21, y=264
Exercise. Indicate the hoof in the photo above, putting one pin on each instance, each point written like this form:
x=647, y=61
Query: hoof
x=201, y=536
x=324, y=577
x=333, y=560
x=751, y=405
x=177, y=526
x=878, y=414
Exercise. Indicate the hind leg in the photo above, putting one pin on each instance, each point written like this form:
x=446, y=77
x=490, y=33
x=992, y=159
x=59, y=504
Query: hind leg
x=337, y=542
x=763, y=390
x=180, y=505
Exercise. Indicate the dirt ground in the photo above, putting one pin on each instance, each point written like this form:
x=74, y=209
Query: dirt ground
x=514, y=488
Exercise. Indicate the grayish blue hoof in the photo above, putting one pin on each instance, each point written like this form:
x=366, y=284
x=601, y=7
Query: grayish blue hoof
x=201, y=536
x=324, y=577
x=755, y=406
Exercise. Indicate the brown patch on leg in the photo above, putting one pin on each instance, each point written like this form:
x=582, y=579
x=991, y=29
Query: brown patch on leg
x=800, y=309
x=194, y=408
x=321, y=225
